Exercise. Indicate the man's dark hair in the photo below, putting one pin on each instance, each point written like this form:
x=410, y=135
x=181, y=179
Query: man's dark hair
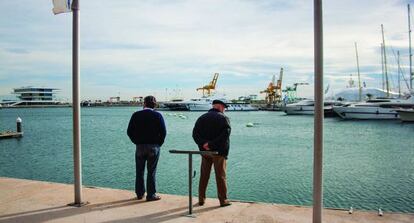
x=150, y=101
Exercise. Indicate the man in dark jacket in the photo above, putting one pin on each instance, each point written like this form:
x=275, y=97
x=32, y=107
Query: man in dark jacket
x=147, y=131
x=212, y=132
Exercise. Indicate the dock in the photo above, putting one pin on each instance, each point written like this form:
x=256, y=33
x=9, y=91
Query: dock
x=35, y=202
x=10, y=134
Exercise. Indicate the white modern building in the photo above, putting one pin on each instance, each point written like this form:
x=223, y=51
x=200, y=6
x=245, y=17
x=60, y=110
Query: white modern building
x=33, y=96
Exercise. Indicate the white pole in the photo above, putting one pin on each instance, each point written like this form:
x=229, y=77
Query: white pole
x=399, y=79
x=319, y=115
x=76, y=106
x=382, y=66
x=385, y=61
x=359, y=75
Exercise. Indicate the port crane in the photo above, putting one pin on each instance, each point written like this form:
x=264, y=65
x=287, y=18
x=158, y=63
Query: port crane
x=291, y=91
x=274, y=90
x=209, y=87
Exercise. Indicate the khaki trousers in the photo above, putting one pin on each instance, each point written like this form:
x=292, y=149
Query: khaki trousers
x=220, y=170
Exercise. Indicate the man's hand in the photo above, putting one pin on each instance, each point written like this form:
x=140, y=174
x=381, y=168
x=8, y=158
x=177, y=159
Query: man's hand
x=205, y=146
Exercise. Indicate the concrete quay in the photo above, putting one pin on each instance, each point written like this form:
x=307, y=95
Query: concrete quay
x=35, y=201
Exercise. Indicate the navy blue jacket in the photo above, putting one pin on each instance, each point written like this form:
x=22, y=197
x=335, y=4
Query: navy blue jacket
x=147, y=127
x=213, y=127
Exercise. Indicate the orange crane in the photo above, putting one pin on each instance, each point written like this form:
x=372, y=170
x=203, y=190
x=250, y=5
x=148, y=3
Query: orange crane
x=210, y=86
x=274, y=90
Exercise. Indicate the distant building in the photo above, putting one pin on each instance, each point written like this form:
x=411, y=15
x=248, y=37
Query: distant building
x=35, y=93
x=33, y=96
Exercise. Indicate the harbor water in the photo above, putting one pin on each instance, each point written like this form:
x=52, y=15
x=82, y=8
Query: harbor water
x=367, y=164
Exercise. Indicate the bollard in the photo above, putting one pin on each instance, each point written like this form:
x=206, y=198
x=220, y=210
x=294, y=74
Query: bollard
x=19, y=124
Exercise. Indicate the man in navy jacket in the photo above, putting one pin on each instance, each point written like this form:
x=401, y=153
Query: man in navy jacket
x=212, y=132
x=147, y=131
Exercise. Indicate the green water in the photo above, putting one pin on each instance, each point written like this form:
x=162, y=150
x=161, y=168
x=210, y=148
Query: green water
x=367, y=164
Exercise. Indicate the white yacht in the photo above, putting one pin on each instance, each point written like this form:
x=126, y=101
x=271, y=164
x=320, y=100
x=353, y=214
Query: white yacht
x=307, y=107
x=374, y=109
x=205, y=104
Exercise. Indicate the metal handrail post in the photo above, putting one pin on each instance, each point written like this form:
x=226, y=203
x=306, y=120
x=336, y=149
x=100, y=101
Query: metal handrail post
x=190, y=183
x=190, y=173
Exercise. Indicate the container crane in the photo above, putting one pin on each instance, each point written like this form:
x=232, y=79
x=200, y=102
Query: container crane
x=274, y=90
x=211, y=86
x=291, y=91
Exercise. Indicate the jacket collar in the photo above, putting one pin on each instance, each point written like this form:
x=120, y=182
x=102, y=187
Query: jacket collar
x=214, y=110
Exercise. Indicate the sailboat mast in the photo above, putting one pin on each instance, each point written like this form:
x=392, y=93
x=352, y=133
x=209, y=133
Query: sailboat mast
x=385, y=61
x=409, y=48
x=382, y=67
x=359, y=75
x=399, y=80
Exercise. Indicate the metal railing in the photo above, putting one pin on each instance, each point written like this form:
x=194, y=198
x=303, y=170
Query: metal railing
x=190, y=154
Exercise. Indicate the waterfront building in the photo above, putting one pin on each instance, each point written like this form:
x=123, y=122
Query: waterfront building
x=33, y=96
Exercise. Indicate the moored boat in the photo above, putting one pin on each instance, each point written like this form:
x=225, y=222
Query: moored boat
x=374, y=109
x=406, y=115
x=205, y=104
x=307, y=107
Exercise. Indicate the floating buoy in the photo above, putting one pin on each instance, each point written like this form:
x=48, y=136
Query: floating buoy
x=380, y=213
x=351, y=210
x=250, y=124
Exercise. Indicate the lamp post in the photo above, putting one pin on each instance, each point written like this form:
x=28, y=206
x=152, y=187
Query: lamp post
x=319, y=115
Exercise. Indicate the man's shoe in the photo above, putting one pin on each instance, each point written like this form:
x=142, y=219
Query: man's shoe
x=200, y=203
x=139, y=197
x=225, y=204
x=154, y=198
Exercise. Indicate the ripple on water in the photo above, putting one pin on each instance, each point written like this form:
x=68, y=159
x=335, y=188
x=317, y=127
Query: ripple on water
x=366, y=164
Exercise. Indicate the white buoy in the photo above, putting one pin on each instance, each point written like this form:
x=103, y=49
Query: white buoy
x=351, y=210
x=250, y=124
x=380, y=213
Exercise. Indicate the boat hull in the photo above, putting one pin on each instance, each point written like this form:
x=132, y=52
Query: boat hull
x=308, y=110
x=206, y=107
x=367, y=113
x=406, y=115
x=299, y=110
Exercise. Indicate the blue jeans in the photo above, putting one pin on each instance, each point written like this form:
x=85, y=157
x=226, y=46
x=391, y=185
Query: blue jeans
x=146, y=153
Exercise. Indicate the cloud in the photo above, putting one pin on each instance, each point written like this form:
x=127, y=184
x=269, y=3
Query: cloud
x=139, y=47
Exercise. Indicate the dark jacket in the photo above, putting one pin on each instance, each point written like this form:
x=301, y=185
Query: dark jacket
x=147, y=127
x=213, y=127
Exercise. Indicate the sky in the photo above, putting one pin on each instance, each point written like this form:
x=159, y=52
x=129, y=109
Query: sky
x=169, y=48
